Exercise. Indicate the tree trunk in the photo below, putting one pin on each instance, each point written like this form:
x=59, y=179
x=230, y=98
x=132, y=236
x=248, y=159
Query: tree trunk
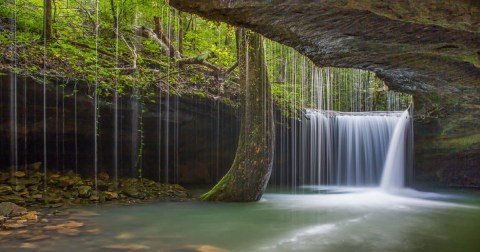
x=249, y=174
x=47, y=19
x=165, y=38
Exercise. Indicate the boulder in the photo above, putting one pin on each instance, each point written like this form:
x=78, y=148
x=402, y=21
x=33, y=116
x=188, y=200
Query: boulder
x=11, y=209
x=12, y=198
x=4, y=176
x=84, y=191
x=5, y=190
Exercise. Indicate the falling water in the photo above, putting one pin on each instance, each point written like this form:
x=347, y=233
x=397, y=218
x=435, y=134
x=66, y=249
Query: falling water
x=96, y=101
x=357, y=144
x=394, y=169
x=63, y=127
x=14, y=98
x=13, y=122
x=25, y=123
x=167, y=109
x=75, y=91
x=57, y=154
x=135, y=116
x=177, y=31
x=115, y=98
x=323, y=147
x=45, y=164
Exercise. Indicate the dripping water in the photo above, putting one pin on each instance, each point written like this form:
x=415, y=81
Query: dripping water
x=57, y=154
x=63, y=127
x=167, y=103
x=115, y=97
x=75, y=91
x=96, y=101
x=45, y=164
x=25, y=124
x=13, y=98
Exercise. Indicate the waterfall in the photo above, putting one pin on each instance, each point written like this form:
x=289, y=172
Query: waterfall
x=394, y=170
x=348, y=148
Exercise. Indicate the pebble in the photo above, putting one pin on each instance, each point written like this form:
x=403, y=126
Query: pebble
x=13, y=225
x=72, y=224
x=5, y=189
x=68, y=231
x=4, y=176
x=127, y=247
x=85, y=213
x=23, y=236
x=205, y=248
x=37, y=196
x=103, y=176
x=39, y=238
x=93, y=231
x=28, y=246
x=111, y=195
x=69, y=224
x=19, y=174
x=57, y=205
x=124, y=236
x=19, y=188
x=31, y=216
x=55, y=176
x=94, y=198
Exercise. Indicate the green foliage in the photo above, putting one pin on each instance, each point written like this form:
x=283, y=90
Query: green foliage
x=100, y=53
x=151, y=47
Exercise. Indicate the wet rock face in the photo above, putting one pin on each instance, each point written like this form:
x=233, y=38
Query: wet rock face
x=199, y=143
x=429, y=49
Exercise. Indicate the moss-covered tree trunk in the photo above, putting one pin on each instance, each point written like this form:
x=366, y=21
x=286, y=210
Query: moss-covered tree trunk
x=249, y=174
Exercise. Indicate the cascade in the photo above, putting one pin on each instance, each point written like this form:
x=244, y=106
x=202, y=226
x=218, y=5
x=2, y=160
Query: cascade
x=393, y=173
x=357, y=144
x=319, y=146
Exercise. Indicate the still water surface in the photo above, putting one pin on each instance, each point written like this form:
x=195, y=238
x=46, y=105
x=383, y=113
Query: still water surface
x=319, y=219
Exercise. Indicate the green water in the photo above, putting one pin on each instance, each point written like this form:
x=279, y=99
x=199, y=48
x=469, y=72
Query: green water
x=337, y=219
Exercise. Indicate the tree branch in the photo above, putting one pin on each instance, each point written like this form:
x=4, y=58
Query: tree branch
x=161, y=33
x=196, y=61
x=160, y=37
x=133, y=50
x=147, y=33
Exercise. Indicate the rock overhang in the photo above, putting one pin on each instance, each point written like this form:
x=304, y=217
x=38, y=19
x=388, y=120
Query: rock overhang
x=429, y=49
